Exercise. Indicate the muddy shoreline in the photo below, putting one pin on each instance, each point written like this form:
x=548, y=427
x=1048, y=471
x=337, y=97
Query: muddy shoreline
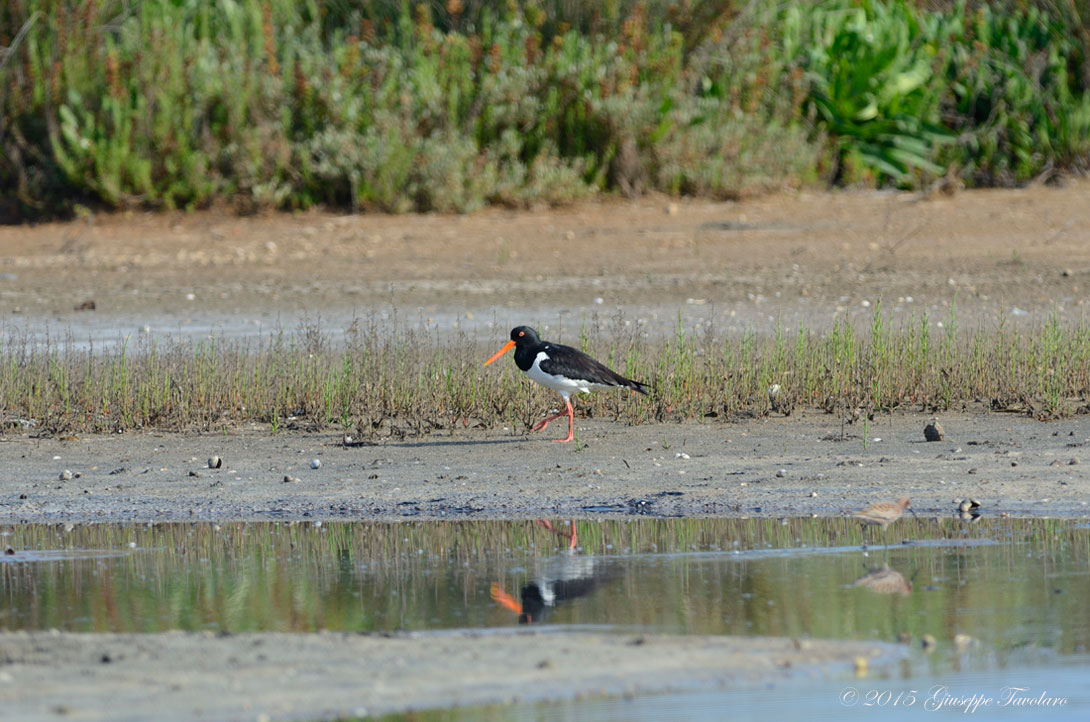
x=181, y=676
x=808, y=464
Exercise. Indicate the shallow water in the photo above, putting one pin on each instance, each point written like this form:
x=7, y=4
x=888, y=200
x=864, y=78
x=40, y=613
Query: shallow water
x=1005, y=596
x=950, y=695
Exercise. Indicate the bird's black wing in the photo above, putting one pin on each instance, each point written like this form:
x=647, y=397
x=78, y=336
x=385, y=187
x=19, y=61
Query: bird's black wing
x=574, y=364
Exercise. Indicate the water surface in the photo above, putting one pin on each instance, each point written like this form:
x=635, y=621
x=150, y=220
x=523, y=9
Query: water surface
x=1000, y=597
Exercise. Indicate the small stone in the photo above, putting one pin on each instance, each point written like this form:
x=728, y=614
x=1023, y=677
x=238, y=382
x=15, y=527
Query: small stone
x=215, y=462
x=193, y=473
x=66, y=475
x=1073, y=461
x=316, y=464
x=813, y=494
x=671, y=209
x=781, y=473
x=934, y=431
x=288, y=479
x=965, y=505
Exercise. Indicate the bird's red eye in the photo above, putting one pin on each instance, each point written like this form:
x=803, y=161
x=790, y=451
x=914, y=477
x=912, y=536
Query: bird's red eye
x=522, y=333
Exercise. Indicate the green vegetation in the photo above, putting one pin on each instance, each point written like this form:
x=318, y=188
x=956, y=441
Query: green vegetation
x=378, y=382
x=449, y=106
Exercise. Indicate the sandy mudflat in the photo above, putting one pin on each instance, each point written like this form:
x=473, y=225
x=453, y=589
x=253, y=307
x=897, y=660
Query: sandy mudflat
x=794, y=466
x=184, y=676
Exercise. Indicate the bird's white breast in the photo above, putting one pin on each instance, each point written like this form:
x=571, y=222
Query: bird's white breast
x=565, y=386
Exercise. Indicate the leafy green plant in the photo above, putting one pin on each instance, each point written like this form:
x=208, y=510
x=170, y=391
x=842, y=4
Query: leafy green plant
x=871, y=68
x=1015, y=99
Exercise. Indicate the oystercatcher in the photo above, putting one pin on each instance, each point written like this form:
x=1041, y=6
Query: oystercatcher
x=562, y=578
x=563, y=369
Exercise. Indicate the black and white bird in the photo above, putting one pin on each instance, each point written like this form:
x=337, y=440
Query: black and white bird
x=562, y=578
x=563, y=369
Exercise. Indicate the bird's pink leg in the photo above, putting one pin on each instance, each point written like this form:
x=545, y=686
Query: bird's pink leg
x=545, y=422
x=571, y=424
x=570, y=535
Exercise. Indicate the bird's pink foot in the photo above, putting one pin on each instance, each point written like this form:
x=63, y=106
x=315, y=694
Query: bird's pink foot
x=571, y=424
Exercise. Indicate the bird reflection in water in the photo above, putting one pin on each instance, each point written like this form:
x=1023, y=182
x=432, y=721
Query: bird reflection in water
x=883, y=580
x=561, y=578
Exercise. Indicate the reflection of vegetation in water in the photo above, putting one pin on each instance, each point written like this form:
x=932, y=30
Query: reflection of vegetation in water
x=680, y=575
x=383, y=381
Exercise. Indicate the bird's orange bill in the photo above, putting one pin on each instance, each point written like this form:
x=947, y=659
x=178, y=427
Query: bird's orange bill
x=498, y=595
x=510, y=345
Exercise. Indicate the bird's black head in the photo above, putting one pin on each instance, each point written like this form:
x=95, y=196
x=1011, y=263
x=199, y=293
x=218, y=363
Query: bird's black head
x=525, y=336
x=533, y=604
x=522, y=338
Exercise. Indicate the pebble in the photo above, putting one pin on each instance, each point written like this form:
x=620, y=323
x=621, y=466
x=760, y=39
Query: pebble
x=781, y=473
x=934, y=431
x=316, y=464
x=963, y=641
x=215, y=462
x=966, y=505
x=66, y=475
x=288, y=479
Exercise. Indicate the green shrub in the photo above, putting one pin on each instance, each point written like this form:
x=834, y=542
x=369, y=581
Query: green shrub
x=395, y=106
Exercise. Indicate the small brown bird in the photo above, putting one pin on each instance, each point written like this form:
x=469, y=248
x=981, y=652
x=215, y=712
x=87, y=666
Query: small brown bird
x=884, y=581
x=880, y=513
